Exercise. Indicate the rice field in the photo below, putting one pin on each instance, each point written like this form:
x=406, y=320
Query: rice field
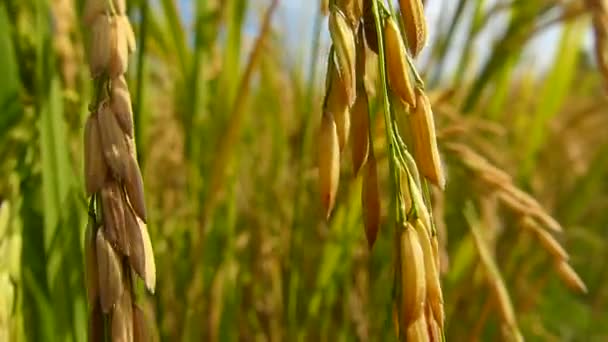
x=284, y=170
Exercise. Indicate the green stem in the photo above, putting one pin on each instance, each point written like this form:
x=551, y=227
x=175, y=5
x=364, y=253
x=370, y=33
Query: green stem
x=387, y=108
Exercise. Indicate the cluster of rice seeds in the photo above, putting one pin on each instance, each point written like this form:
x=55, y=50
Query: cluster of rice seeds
x=421, y=119
x=421, y=311
x=340, y=97
x=418, y=304
x=346, y=115
x=420, y=299
x=532, y=216
x=117, y=241
x=599, y=15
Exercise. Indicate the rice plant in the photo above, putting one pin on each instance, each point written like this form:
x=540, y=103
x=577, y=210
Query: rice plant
x=374, y=171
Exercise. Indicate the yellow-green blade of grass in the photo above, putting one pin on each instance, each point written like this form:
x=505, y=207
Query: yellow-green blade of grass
x=554, y=92
x=175, y=26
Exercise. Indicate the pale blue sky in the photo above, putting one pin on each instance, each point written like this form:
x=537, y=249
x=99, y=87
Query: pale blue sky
x=297, y=17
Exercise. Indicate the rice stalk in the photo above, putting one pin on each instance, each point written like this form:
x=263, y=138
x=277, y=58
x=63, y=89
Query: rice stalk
x=418, y=299
x=121, y=245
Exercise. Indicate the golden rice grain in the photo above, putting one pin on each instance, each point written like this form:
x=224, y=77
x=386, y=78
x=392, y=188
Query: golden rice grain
x=113, y=216
x=134, y=187
x=150, y=275
x=141, y=258
x=417, y=330
x=398, y=71
x=434, y=329
x=113, y=141
x=328, y=162
x=412, y=12
x=426, y=152
x=95, y=167
x=111, y=285
x=338, y=105
x=120, y=104
x=352, y=9
x=343, y=39
x=128, y=31
x=433, y=285
x=119, y=56
x=120, y=6
x=360, y=131
x=413, y=278
x=101, y=44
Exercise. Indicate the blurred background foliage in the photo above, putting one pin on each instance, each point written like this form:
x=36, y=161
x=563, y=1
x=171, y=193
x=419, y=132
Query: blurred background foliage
x=226, y=142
